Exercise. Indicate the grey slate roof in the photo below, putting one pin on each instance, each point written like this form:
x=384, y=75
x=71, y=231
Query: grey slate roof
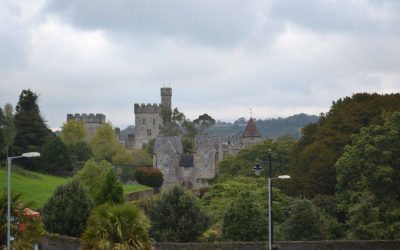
x=173, y=141
x=215, y=141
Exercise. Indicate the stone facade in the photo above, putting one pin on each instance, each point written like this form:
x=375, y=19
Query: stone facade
x=148, y=119
x=91, y=121
x=191, y=170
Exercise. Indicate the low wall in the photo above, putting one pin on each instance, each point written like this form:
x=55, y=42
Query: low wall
x=60, y=243
x=68, y=243
x=134, y=196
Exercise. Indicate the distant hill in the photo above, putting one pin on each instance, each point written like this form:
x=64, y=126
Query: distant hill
x=268, y=128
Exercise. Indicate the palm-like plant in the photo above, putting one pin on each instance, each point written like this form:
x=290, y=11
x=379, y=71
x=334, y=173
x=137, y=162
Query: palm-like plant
x=117, y=227
x=24, y=239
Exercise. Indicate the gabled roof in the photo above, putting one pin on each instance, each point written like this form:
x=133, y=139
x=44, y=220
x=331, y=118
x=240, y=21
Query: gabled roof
x=251, y=130
x=173, y=141
x=214, y=141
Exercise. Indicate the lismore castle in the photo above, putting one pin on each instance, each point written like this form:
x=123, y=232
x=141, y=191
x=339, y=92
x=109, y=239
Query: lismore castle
x=191, y=170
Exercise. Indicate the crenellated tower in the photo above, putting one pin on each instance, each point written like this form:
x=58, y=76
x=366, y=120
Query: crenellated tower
x=148, y=119
x=91, y=121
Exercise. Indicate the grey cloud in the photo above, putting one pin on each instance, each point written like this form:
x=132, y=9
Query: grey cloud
x=210, y=21
x=341, y=15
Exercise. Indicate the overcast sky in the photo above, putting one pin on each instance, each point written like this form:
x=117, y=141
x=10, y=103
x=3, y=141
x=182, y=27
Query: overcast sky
x=221, y=57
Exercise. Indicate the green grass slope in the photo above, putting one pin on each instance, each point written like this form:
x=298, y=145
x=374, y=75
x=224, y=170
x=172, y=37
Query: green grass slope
x=39, y=187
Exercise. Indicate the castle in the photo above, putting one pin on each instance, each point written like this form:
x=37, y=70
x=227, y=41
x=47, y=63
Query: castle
x=148, y=120
x=193, y=170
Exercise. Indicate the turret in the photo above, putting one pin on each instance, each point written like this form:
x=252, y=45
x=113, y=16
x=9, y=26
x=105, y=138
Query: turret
x=166, y=95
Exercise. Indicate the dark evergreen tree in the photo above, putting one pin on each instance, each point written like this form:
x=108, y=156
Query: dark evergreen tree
x=177, y=217
x=111, y=190
x=56, y=158
x=32, y=131
x=67, y=210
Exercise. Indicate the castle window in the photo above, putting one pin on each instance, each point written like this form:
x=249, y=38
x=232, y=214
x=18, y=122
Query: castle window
x=165, y=163
x=206, y=155
x=149, y=132
x=144, y=121
x=154, y=121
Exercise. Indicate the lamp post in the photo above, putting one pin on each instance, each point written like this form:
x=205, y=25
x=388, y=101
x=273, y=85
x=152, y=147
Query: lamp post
x=257, y=170
x=26, y=155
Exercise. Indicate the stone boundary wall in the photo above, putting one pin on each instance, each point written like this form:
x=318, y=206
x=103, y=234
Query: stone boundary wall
x=134, y=196
x=68, y=243
x=60, y=243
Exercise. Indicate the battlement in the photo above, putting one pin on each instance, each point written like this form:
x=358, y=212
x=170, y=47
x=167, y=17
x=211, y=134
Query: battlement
x=147, y=108
x=87, y=118
x=166, y=91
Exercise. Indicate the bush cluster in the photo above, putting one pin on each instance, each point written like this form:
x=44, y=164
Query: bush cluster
x=149, y=176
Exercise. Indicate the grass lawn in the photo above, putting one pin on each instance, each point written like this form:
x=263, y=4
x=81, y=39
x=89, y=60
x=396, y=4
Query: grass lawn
x=39, y=187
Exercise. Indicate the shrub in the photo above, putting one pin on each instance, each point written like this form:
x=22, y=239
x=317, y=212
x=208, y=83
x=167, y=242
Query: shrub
x=117, y=227
x=67, y=210
x=149, y=176
x=111, y=190
x=177, y=217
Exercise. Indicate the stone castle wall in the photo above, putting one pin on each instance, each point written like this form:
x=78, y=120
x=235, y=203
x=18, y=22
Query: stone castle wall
x=147, y=124
x=92, y=121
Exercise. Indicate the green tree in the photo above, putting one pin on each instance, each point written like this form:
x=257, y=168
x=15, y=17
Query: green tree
x=245, y=219
x=8, y=128
x=322, y=144
x=56, y=158
x=364, y=222
x=67, y=210
x=104, y=144
x=203, y=123
x=93, y=175
x=111, y=190
x=123, y=227
x=370, y=165
x=73, y=132
x=80, y=152
x=177, y=217
x=122, y=155
x=246, y=159
x=32, y=131
x=305, y=222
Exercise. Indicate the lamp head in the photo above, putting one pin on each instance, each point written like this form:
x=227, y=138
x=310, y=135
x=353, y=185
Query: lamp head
x=257, y=169
x=31, y=154
x=284, y=177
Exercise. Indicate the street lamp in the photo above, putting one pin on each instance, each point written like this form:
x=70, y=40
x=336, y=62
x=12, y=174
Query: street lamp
x=257, y=170
x=24, y=155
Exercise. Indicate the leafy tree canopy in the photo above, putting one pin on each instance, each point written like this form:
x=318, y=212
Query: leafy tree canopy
x=73, y=132
x=305, y=222
x=177, y=217
x=321, y=145
x=245, y=219
x=104, y=143
x=368, y=176
x=93, y=175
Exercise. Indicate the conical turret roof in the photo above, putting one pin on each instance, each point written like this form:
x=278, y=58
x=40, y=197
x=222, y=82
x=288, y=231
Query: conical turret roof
x=251, y=130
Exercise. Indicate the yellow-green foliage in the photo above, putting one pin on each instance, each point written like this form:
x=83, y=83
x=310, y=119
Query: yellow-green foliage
x=104, y=143
x=73, y=132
